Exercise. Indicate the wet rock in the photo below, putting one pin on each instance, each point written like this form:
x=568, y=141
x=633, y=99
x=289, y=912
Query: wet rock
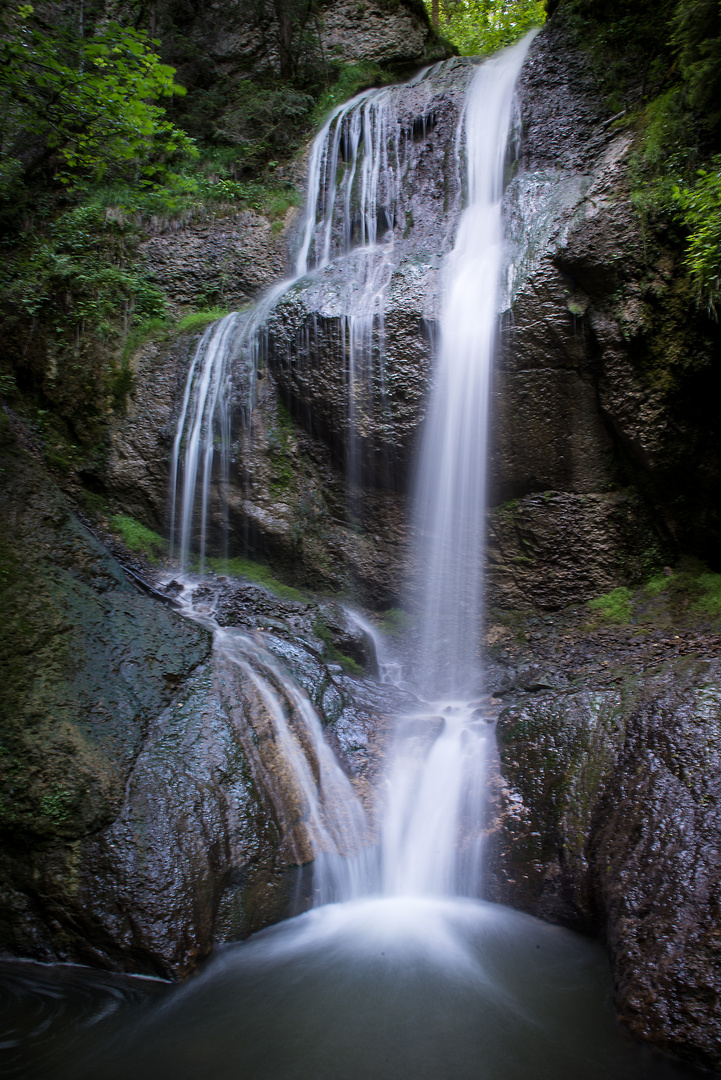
x=227, y=260
x=590, y=390
x=552, y=549
x=287, y=501
x=87, y=663
x=609, y=815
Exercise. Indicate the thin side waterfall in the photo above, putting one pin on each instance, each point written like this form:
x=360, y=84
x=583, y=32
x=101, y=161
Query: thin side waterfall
x=319, y=816
x=354, y=211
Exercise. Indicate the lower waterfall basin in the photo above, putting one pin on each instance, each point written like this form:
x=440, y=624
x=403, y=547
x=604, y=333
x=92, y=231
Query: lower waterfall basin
x=402, y=987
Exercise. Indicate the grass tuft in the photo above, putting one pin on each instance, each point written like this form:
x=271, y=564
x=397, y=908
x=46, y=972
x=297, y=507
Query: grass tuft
x=614, y=606
x=257, y=573
x=138, y=537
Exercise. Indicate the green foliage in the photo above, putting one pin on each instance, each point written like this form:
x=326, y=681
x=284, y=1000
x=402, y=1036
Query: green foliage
x=82, y=106
x=255, y=572
x=479, y=27
x=57, y=804
x=261, y=121
x=699, y=205
x=395, y=622
x=81, y=255
x=614, y=606
x=696, y=39
x=350, y=80
x=660, y=63
x=138, y=537
x=8, y=386
x=657, y=584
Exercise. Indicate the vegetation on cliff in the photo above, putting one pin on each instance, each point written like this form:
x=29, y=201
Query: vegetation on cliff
x=101, y=148
x=660, y=65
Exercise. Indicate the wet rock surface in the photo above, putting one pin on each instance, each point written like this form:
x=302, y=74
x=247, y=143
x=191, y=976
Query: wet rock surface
x=228, y=260
x=609, y=806
x=287, y=499
x=137, y=825
x=595, y=390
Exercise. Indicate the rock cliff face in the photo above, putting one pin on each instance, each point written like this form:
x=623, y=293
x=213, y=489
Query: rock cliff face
x=138, y=820
x=596, y=427
x=609, y=807
x=288, y=499
x=601, y=359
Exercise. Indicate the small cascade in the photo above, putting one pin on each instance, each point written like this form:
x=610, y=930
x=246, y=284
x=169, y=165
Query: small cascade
x=357, y=207
x=319, y=816
x=203, y=429
x=204, y=420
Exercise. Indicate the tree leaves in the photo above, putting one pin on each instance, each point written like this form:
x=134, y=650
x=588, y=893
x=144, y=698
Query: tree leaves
x=82, y=106
x=484, y=26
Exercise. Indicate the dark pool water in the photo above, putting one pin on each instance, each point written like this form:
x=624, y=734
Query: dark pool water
x=386, y=989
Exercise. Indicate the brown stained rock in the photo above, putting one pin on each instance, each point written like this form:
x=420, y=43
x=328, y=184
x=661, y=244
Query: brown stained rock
x=353, y=32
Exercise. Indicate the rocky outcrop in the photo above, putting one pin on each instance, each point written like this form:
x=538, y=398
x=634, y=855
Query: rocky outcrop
x=88, y=663
x=139, y=821
x=600, y=359
x=608, y=798
x=293, y=497
x=227, y=260
x=395, y=33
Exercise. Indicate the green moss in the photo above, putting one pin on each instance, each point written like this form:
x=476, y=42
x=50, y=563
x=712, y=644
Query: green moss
x=331, y=653
x=257, y=573
x=614, y=606
x=656, y=585
x=138, y=537
x=197, y=320
x=394, y=622
x=710, y=602
x=57, y=804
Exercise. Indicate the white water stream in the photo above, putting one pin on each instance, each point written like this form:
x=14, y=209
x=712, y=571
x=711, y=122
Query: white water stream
x=358, y=165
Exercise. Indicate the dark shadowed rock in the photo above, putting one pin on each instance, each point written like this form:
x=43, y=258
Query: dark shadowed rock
x=610, y=813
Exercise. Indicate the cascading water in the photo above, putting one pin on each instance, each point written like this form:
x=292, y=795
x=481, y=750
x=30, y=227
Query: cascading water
x=433, y=826
x=451, y=486
x=355, y=212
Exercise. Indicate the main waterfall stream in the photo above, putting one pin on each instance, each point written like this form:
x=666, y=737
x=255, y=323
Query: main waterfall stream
x=399, y=971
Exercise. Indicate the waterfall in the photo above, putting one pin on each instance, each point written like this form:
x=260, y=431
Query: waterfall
x=433, y=826
x=405, y=978
x=450, y=499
